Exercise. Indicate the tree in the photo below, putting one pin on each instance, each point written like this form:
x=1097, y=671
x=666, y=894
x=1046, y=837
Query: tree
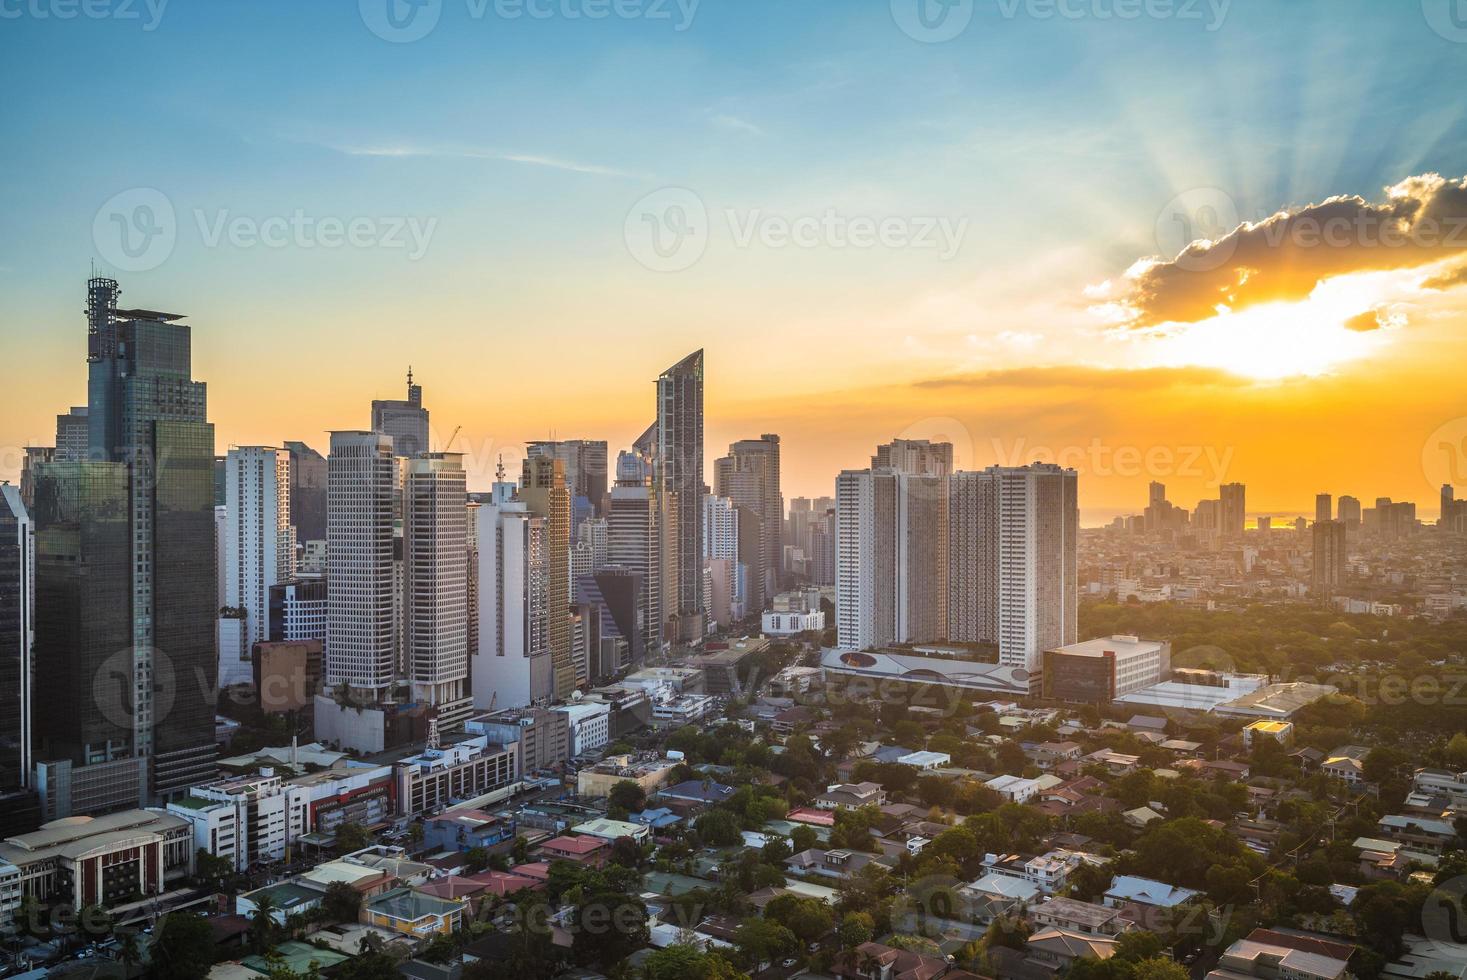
x=856, y=928
x=807, y=918
x=211, y=870
x=263, y=926
x=680, y=962
x=608, y=927
x=352, y=837
x=183, y=948
x=441, y=949
x=476, y=859
x=1456, y=751
x=1158, y=968
x=719, y=828
x=802, y=838
x=761, y=941
x=376, y=965
x=341, y=903
x=628, y=795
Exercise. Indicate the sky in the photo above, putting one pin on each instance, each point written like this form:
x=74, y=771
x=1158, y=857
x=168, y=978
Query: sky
x=1193, y=241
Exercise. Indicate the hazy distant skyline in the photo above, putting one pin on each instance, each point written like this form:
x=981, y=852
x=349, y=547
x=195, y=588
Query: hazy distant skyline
x=973, y=238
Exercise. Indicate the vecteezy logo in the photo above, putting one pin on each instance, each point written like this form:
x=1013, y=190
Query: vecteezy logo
x=1444, y=455
x=116, y=682
x=932, y=21
x=135, y=230
x=400, y=21
x=1204, y=214
x=667, y=231
x=1442, y=915
x=1448, y=18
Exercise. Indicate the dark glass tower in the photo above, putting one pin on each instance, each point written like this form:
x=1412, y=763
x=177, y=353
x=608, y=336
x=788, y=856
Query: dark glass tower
x=127, y=567
x=678, y=482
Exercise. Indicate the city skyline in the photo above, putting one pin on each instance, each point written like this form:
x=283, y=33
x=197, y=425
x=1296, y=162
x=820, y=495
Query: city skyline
x=1060, y=320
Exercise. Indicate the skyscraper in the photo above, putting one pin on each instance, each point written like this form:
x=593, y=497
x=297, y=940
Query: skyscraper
x=1232, y=509
x=405, y=421
x=1350, y=513
x=307, y=492
x=892, y=546
x=633, y=543
x=73, y=435
x=126, y=573
x=435, y=585
x=749, y=476
x=973, y=557
x=1323, y=507
x=1329, y=557
x=17, y=634
x=585, y=469
x=511, y=666
x=1037, y=580
x=678, y=482
x=361, y=627
x=259, y=551
x=543, y=490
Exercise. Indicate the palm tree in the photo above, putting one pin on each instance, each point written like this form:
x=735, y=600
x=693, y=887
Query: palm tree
x=262, y=923
x=128, y=952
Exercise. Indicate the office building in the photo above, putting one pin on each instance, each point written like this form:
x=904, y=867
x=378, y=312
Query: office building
x=405, y=421
x=586, y=473
x=298, y=611
x=973, y=557
x=1037, y=582
x=361, y=605
x=1323, y=507
x=126, y=583
x=634, y=543
x=1099, y=671
x=435, y=585
x=73, y=435
x=544, y=492
x=307, y=492
x=749, y=477
x=678, y=484
x=258, y=552
x=1232, y=509
x=1350, y=513
x=17, y=636
x=511, y=666
x=1330, y=552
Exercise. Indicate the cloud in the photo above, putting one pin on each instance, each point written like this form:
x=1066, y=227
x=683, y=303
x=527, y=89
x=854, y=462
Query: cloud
x=1422, y=220
x=1448, y=280
x=1091, y=378
x=1369, y=320
x=736, y=124
x=478, y=153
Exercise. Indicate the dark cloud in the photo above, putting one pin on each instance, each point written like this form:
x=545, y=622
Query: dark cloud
x=1447, y=280
x=1422, y=220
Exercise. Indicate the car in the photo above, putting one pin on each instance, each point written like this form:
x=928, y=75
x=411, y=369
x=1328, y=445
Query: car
x=789, y=962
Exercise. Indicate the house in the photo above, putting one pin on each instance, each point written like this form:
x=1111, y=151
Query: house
x=1183, y=748
x=815, y=818
x=851, y=796
x=612, y=830
x=926, y=760
x=873, y=961
x=1237, y=771
x=411, y=912
x=1147, y=723
x=1269, y=954
x=1281, y=732
x=504, y=883
x=1118, y=763
x=1141, y=816
x=1135, y=890
x=1346, y=763
x=997, y=896
x=700, y=791
x=658, y=819
x=1382, y=859
x=1074, y=916
x=1015, y=789
x=1420, y=835
x=589, y=851
x=1058, y=948
x=840, y=863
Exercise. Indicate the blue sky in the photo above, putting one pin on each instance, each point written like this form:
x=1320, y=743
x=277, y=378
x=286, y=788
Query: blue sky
x=1057, y=139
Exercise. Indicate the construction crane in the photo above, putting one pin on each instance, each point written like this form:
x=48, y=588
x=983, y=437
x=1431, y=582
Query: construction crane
x=449, y=444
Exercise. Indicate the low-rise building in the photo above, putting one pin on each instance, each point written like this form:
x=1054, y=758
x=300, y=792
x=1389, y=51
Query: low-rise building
x=650, y=774
x=407, y=911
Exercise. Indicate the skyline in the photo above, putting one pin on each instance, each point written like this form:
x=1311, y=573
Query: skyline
x=541, y=141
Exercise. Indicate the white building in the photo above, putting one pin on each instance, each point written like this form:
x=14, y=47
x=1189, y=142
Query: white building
x=590, y=725
x=17, y=638
x=436, y=584
x=1038, y=596
x=634, y=542
x=1015, y=789
x=361, y=624
x=258, y=551
x=793, y=623
x=249, y=820
x=511, y=667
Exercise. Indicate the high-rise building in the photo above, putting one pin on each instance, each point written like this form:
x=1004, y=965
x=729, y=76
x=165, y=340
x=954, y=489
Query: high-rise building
x=17, y=636
x=1453, y=514
x=127, y=590
x=361, y=622
x=1232, y=509
x=1323, y=507
x=728, y=575
x=585, y=469
x=307, y=492
x=749, y=477
x=511, y=665
x=298, y=611
x=34, y=456
x=435, y=585
x=633, y=543
x=543, y=490
x=973, y=557
x=678, y=482
x=892, y=547
x=1329, y=557
x=1038, y=581
x=73, y=435
x=1350, y=513
x=405, y=421
x=259, y=551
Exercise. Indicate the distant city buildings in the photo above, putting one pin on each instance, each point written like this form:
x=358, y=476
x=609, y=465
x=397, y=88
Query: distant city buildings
x=258, y=552
x=405, y=421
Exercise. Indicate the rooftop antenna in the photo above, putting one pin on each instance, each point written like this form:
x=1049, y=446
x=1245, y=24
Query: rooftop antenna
x=499, y=469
